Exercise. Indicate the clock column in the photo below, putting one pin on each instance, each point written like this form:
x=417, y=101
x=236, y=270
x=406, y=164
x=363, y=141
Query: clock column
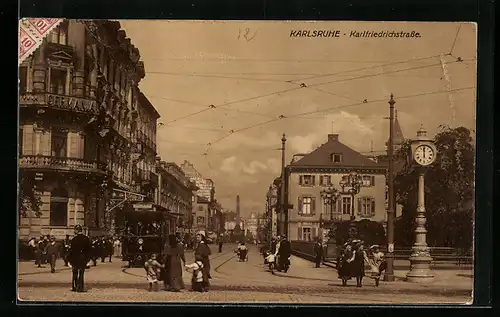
x=420, y=259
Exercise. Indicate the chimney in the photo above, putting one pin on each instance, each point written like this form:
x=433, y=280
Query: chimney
x=333, y=137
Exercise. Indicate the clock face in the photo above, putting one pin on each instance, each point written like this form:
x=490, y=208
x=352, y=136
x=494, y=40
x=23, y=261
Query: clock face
x=424, y=155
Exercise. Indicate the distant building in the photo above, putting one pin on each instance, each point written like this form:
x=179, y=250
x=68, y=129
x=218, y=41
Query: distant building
x=324, y=167
x=201, y=212
x=252, y=224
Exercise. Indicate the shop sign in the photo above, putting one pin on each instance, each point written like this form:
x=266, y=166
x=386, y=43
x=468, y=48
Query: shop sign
x=71, y=103
x=143, y=206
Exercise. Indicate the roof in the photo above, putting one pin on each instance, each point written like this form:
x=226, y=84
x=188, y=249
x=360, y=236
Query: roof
x=398, y=138
x=144, y=101
x=321, y=157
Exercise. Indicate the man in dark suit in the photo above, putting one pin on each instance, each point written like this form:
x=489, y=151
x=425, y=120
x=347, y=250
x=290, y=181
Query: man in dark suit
x=66, y=248
x=79, y=256
x=284, y=251
x=318, y=252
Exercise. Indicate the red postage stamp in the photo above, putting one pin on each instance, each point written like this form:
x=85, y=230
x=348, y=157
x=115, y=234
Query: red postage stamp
x=26, y=43
x=32, y=31
x=43, y=26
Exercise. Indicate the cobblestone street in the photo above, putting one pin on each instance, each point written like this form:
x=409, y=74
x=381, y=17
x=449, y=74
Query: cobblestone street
x=235, y=281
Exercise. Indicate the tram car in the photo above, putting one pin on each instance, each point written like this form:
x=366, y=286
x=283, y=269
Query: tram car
x=143, y=232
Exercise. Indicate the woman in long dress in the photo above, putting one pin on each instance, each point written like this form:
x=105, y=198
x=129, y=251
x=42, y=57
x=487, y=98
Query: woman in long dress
x=174, y=262
x=358, y=265
x=203, y=250
x=344, y=262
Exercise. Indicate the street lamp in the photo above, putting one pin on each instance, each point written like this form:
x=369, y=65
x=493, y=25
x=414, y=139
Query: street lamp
x=352, y=182
x=330, y=196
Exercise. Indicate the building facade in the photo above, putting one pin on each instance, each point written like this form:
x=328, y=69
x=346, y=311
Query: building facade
x=324, y=167
x=205, y=199
x=78, y=129
x=174, y=195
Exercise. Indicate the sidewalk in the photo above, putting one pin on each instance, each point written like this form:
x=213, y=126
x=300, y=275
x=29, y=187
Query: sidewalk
x=460, y=279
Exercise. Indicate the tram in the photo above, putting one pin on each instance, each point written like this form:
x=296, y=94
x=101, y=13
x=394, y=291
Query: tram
x=143, y=232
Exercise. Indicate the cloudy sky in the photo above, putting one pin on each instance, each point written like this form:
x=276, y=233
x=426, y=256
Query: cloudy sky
x=221, y=88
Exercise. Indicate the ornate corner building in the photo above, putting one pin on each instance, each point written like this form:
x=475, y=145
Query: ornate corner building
x=85, y=128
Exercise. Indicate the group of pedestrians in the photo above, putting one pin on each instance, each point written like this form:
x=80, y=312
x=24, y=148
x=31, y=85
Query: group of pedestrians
x=352, y=259
x=47, y=250
x=170, y=268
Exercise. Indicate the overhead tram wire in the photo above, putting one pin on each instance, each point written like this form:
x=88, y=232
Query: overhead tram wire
x=335, y=108
x=369, y=67
x=218, y=76
x=308, y=86
x=325, y=83
x=312, y=85
x=205, y=106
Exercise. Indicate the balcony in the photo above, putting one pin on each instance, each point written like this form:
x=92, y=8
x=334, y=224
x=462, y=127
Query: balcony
x=60, y=102
x=58, y=163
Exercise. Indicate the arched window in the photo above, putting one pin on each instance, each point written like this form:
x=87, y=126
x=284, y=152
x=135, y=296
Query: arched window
x=59, y=207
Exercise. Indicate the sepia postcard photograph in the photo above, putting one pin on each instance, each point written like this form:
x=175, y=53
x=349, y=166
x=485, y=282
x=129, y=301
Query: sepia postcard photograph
x=214, y=161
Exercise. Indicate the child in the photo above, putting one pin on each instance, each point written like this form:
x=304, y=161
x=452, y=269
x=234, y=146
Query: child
x=197, y=284
x=152, y=270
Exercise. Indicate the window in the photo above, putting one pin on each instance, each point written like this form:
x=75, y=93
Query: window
x=200, y=220
x=325, y=180
x=59, y=143
x=58, y=81
x=23, y=79
x=366, y=206
x=307, y=205
x=306, y=234
x=346, y=205
x=307, y=180
x=368, y=180
x=59, y=207
x=60, y=34
x=336, y=158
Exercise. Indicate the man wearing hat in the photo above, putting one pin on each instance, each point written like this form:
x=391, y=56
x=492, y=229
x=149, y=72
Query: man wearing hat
x=79, y=256
x=51, y=250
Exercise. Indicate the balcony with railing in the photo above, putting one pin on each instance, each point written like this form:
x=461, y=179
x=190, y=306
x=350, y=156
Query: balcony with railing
x=60, y=163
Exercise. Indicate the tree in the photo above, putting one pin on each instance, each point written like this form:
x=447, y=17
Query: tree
x=371, y=232
x=29, y=199
x=449, y=192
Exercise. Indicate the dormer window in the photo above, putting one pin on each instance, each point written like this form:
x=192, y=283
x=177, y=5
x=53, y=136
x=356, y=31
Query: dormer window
x=336, y=158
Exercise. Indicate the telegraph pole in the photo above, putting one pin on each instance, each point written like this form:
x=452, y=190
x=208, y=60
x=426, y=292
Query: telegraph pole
x=284, y=209
x=389, y=273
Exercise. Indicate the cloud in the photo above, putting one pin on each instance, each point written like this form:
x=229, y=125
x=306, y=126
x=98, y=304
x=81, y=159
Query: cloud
x=228, y=164
x=254, y=167
x=353, y=131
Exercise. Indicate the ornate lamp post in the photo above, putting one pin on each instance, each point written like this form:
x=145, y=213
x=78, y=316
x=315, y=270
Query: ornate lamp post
x=330, y=196
x=422, y=154
x=351, y=184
